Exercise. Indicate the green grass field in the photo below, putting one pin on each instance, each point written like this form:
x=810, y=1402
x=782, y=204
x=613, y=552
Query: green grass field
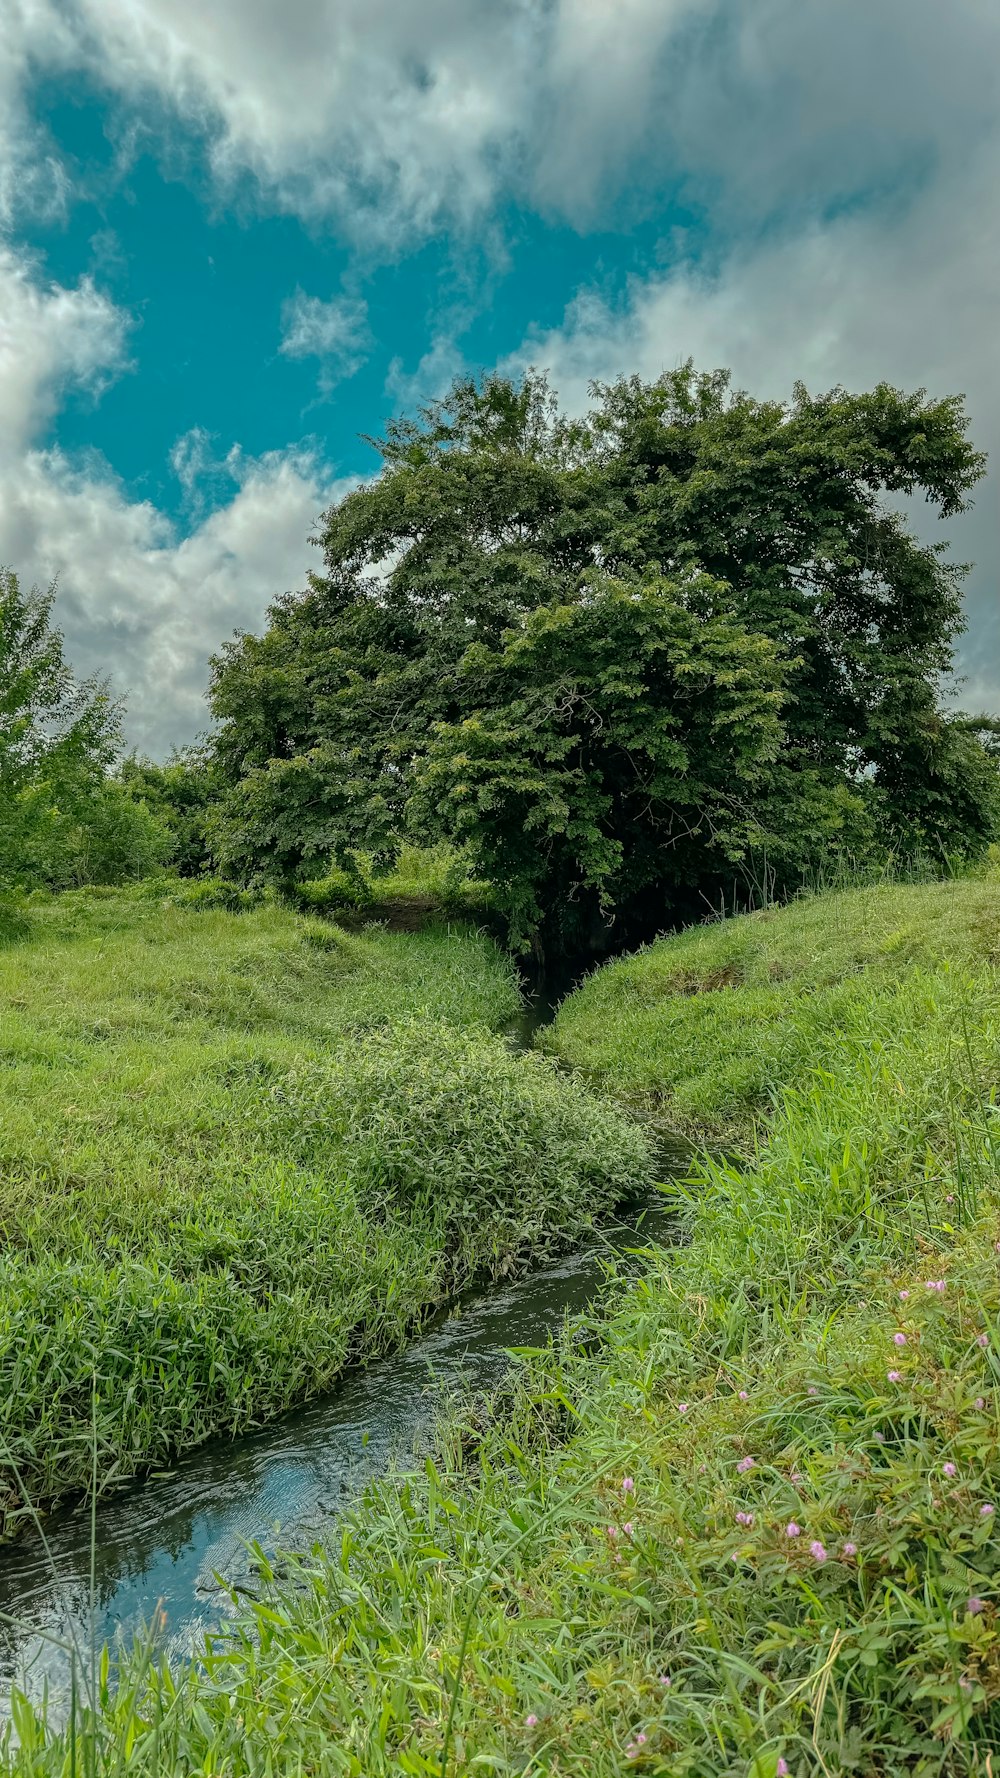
x=709, y=1027
x=239, y=1151
x=748, y=1527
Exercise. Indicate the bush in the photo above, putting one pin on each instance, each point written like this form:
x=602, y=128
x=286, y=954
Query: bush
x=210, y=893
x=502, y=1149
x=339, y=889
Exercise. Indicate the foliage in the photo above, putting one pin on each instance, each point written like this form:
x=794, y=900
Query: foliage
x=62, y=820
x=749, y=1525
x=338, y=890
x=240, y=1150
x=424, y=883
x=181, y=794
x=691, y=627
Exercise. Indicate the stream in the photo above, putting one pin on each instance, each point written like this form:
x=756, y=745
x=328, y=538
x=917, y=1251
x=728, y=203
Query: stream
x=161, y=1542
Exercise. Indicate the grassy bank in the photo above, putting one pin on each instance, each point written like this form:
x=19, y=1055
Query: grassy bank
x=708, y=1028
x=750, y=1526
x=238, y=1151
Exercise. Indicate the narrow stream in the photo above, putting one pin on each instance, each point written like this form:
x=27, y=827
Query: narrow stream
x=162, y=1541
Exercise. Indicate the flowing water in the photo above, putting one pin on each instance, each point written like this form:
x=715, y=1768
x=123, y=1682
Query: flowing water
x=163, y=1541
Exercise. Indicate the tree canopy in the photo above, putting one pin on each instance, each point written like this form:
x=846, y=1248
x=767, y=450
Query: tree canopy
x=621, y=656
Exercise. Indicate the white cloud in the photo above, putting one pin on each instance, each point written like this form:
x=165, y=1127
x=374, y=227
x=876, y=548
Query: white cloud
x=50, y=337
x=391, y=116
x=905, y=295
x=432, y=376
x=138, y=600
x=336, y=332
x=146, y=605
x=396, y=118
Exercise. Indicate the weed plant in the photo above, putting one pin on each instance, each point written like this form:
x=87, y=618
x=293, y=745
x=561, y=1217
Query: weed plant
x=238, y=1152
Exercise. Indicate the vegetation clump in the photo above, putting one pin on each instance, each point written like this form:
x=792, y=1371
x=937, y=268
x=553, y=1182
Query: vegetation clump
x=750, y=1525
x=240, y=1151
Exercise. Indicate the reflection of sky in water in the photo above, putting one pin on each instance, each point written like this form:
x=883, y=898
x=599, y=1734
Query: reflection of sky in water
x=165, y=1539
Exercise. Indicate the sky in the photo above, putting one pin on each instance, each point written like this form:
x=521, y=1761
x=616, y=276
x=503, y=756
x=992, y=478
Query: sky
x=237, y=236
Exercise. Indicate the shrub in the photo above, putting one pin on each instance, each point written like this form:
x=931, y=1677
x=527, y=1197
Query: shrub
x=339, y=889
x=501, y=1148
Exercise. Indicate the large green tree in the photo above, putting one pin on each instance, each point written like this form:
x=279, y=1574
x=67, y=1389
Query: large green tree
x=619, y=656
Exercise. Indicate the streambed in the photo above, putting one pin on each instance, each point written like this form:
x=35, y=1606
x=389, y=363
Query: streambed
x=161, y=1542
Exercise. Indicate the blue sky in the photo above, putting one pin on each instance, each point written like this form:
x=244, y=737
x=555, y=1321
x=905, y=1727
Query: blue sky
x=236, y=237
x=212, y=290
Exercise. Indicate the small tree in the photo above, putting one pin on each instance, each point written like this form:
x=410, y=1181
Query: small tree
x=60, y=819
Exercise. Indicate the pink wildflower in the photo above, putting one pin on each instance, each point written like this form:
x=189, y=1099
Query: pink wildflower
x=612, y=1531
x=987, y=1511
x=744, y=1519
x=812, y=1389
x=974, y=1606
x=641, y=1739
x=745, y=1463
x=781, y=1769
x=879, y=1437
x=793, y=1530
x=950, y=1469
x=628, y=1485
x=894, y=1377
x=666, y=1681
x=899, y=1339
x=983, y=1340
x=904, y=1294
x=530, y=1721
x=796, y=1476
x=849, y=1549
x=682, y=1407
x=743, y=1395
x=817, y=1551
x=628, y=1528
x=949, y=1197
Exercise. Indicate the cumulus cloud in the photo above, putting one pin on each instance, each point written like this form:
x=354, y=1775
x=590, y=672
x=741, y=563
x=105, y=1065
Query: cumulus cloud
x=50, y=337
x=393, y=117
x=139, y=600
x=145, y=604
x=335, y=332
x=905, y=294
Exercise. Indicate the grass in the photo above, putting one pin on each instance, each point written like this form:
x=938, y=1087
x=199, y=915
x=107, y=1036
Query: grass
x=709, y=1027
x=238, y=1152
x=425, y=882
x=748, y=1526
